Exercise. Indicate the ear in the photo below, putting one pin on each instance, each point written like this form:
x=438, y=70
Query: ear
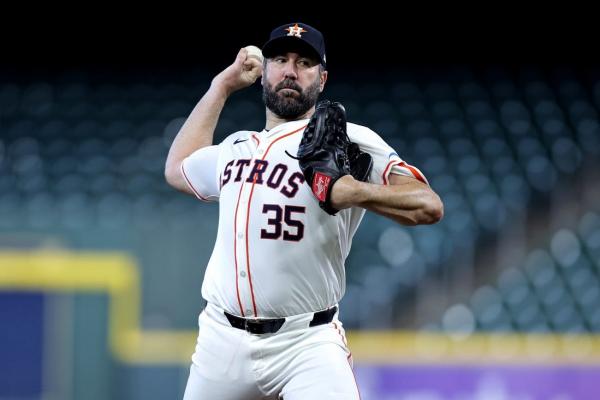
x=322, y=80
x=264, y=72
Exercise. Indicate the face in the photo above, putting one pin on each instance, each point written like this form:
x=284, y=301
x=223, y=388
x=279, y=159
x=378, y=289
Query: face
x=292, y=84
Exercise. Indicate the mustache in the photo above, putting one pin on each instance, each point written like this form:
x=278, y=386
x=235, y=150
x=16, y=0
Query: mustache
x=288, y=84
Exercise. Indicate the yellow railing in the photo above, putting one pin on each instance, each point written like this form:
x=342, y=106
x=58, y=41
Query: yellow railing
x=117, y=275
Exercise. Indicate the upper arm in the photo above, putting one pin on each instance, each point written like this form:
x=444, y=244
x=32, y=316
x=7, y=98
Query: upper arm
x=200, y=173
x=431, y=205
x=386, y=161
x=396, y=179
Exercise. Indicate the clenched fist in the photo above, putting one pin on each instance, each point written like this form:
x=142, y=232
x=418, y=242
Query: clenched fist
x=244, y=71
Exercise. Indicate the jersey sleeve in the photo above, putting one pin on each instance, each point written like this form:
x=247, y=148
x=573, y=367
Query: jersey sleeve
x=200, y=170
x=386, y=160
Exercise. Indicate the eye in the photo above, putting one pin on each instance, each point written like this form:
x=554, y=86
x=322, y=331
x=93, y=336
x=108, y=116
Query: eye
x=279, y=59
x=306, y=62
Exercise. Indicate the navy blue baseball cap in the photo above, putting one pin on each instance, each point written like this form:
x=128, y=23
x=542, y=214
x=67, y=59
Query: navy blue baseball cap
x=296, y=36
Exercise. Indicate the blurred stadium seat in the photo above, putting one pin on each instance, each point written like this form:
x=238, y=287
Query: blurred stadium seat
x=555, y=288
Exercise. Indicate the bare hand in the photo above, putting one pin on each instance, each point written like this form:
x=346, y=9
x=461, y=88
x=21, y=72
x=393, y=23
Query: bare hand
x=242, y=73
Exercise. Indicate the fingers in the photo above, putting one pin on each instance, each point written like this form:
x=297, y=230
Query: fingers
x=251, y=63
x=241, y=56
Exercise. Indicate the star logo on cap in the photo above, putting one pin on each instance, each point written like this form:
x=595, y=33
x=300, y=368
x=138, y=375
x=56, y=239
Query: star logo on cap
x=295, y=30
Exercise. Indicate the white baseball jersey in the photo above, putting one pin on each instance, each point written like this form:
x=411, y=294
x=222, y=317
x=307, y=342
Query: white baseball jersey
x=277, y=253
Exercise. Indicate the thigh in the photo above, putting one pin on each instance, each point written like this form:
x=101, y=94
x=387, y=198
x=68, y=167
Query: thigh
x=201, y=387
x=322, y=372
x=221, y=365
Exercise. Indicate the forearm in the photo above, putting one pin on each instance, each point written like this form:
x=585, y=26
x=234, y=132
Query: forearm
x=199, y=128
x=196, y=132
x=409, y=202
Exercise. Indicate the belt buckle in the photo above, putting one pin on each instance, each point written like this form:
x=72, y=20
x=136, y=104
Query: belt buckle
x=252, y=325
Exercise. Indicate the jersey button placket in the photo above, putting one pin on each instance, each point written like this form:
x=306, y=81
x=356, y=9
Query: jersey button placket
x=242, y=216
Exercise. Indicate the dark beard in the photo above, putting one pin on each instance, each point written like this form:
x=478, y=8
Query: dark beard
x=290, y=106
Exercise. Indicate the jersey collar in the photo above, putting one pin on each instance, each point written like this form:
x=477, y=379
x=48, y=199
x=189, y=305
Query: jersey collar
x=286, y=127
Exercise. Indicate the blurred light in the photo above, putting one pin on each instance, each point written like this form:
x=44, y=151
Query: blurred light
x=483, y=296
x=515, y=191
x=477, y=183
x=537, y=260
x=430, y=242
x=513, y=108
x=528, y=147
x=565, y=247
x=27, y=165
x=519, y=127
x=488, y=127
x=554, y=127
x=547, y=108
x=468, y=165
x=566, y=155
x=588, y=133
x=503, y=164
x=541, y=173
x=510, y=278
x=490, y=212
x=427, y=145
x=459, y=322
x=590, y=297
x=411, y=272
x=444, y=183
x=589, y=224
x=517, y=296
x=479, y=108
x=381, y=288
x=553, y=297
x=460, y=221
x=396, y=246
x=24, y=146
x=434, y=164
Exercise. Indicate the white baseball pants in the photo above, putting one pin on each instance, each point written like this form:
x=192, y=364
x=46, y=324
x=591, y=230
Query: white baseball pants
x=297, y=362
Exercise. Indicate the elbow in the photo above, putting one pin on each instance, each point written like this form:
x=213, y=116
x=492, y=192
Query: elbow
x=172, y=175
x=168, y=177
x=432, y=211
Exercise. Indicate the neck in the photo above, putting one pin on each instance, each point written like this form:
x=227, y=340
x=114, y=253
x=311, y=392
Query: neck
x=274, y=120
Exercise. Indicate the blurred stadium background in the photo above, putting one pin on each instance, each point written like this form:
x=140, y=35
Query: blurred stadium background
x=101, y=262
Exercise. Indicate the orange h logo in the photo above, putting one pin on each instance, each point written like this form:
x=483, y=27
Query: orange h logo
x=295, y=31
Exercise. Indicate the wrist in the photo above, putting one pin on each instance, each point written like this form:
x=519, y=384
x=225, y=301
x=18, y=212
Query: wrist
x=347, y=192
x=221, y=87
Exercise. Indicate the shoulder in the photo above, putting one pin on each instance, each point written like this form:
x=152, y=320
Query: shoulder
x=361, y=134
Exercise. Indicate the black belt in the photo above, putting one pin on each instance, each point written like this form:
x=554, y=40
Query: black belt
x=272, y=325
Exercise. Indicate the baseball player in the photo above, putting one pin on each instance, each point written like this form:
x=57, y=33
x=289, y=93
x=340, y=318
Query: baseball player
x=270, y=329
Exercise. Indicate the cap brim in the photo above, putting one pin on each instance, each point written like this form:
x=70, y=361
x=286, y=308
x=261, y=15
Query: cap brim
x=282, y=45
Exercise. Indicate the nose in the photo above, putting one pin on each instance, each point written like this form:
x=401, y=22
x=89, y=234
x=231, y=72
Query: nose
x=290, y=71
